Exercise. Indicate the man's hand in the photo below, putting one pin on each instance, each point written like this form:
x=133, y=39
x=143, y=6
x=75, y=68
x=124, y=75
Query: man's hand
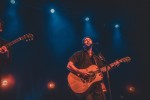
x=83, y=72
x=3, y=49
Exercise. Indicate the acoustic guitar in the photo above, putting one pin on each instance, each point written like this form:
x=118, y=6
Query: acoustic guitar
x=80, y=84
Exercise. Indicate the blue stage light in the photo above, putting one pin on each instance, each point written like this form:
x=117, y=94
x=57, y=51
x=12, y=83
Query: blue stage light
x=87, y=19
x=12, y=1
x=116, y=26
x=52, y=10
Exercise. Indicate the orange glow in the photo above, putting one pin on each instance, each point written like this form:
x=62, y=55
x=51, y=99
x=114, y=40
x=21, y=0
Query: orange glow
x=131, y=89
x=51, y=85
x=7, y=81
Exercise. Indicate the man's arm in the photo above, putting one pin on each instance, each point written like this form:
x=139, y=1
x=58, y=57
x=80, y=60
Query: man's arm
x=74, y=69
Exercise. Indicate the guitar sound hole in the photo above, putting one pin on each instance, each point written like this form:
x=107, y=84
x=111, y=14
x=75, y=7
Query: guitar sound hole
x=88, y=78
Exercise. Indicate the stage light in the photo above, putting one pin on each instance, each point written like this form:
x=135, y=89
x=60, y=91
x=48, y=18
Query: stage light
x=87, y=19
x=131, y=89
x=116, y=26
x=51, y=85
x=4, y=83
x=12, y=1
x=52, y=10
x=7, y=81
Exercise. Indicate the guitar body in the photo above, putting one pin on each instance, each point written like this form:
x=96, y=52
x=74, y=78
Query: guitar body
x=80, y=85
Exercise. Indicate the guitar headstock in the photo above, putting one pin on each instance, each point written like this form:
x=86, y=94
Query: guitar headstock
x=125, y=59
x=27, y=37
x=117, y=62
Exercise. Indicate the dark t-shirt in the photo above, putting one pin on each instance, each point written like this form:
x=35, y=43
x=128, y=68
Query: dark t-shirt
x=82, y=60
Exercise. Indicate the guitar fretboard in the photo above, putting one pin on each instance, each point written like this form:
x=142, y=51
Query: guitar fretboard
x=13, y=42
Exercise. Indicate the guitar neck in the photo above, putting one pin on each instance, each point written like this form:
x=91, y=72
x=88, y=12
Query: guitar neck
x=126, y=59
x=101, y=69
x=112, y=64
x=13, y=42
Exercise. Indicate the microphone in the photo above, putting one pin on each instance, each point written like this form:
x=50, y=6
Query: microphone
x=95, y=44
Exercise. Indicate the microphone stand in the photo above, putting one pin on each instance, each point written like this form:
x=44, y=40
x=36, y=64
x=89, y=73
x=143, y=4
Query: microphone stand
x=108, y=77
x=107, y=73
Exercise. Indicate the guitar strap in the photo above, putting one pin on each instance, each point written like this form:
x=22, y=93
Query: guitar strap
x=96, y=61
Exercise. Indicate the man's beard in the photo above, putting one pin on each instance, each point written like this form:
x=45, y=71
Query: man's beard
x=87, y=47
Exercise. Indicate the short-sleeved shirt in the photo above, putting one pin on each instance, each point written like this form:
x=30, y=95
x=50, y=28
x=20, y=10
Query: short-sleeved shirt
x=81, y=59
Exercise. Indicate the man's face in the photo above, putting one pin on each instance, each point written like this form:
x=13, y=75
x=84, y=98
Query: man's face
x=87, y=42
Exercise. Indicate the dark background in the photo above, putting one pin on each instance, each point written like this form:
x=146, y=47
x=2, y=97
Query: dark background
x=36, y=63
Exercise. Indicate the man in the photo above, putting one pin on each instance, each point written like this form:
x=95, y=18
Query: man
x=83, y=59
x=4, y=51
